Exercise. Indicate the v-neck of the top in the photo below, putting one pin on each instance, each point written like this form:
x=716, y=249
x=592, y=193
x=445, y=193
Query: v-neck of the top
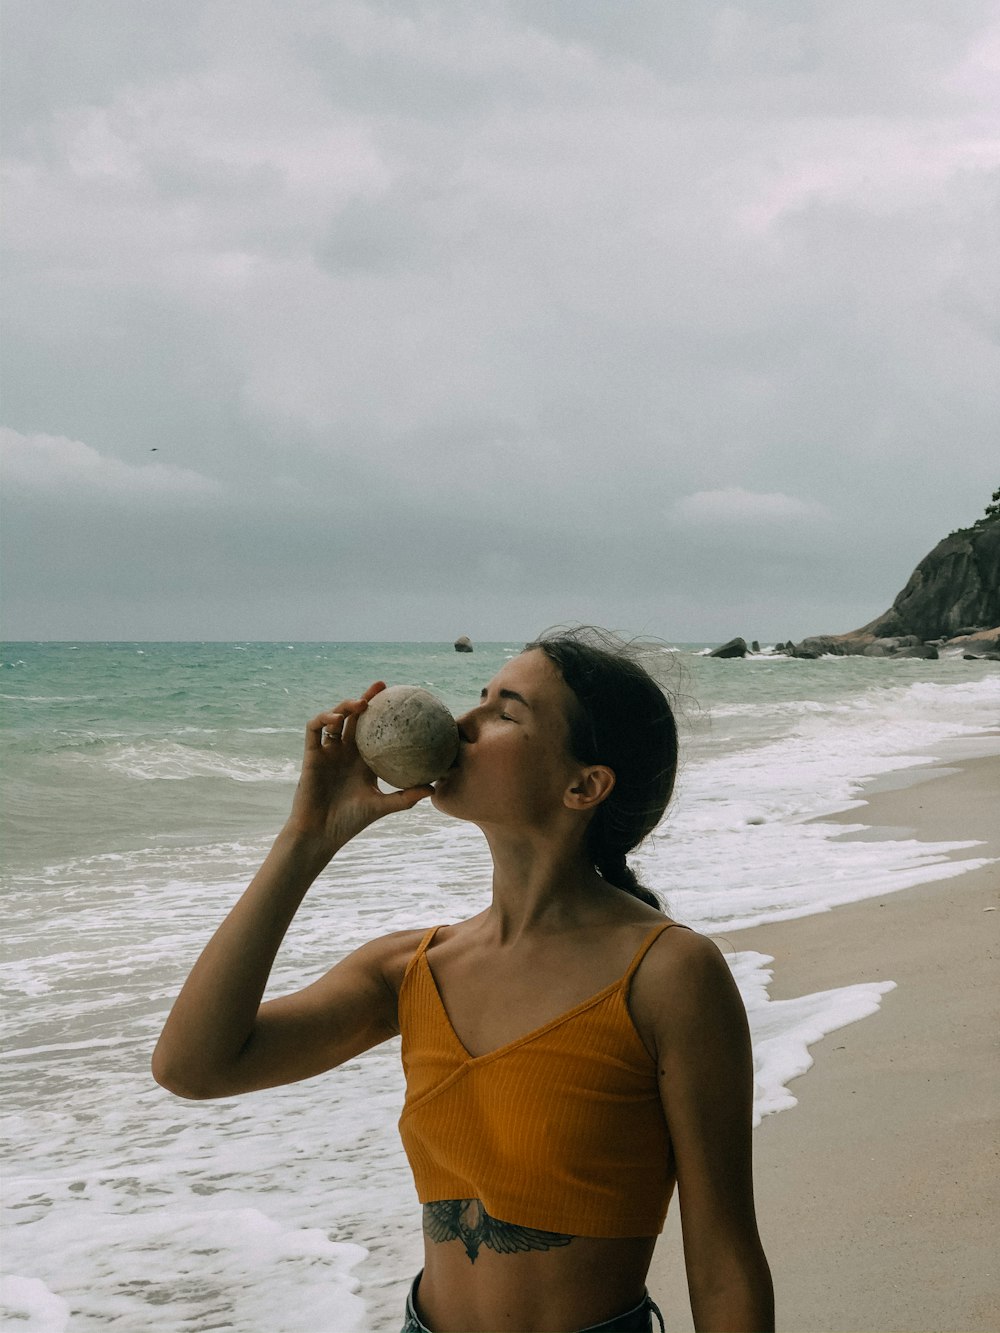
x=544, y=1027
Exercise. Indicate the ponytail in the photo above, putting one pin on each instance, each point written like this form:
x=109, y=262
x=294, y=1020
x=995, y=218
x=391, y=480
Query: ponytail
x=616, y=870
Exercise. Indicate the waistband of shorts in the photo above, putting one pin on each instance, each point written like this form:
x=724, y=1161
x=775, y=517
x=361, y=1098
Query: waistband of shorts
x=647, y=1305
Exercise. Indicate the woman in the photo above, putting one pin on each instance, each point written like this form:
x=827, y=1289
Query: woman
x=570, y=1052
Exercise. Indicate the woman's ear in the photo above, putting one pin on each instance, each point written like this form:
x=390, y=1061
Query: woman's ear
x=594, y=784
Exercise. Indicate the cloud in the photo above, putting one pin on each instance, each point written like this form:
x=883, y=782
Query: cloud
x=55, y=468
x=754, y=508
x=453, y=302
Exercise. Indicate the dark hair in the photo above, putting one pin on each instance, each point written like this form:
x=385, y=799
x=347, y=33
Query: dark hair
x=620, y=718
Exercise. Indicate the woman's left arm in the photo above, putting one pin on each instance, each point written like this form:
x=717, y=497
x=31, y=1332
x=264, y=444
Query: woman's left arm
x=706, y=1084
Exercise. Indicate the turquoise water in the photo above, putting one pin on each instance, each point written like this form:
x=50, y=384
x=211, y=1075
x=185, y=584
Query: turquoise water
x=142, y=784
x=114, y=747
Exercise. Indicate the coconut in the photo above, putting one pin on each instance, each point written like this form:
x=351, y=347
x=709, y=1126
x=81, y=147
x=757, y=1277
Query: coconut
x=406, y=736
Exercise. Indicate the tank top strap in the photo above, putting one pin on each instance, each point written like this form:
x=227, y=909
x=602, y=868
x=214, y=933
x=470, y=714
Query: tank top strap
x=421, y=949
x=647, y=944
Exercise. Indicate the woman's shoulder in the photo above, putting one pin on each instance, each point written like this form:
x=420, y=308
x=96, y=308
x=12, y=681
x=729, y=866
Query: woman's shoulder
x=684, y=978
x=392, y=954
x=682, y=956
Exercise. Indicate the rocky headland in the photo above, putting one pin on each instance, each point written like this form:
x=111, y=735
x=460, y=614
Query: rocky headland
x=951, y=602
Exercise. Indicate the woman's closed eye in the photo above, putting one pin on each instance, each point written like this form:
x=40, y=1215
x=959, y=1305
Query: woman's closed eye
x=504, y=716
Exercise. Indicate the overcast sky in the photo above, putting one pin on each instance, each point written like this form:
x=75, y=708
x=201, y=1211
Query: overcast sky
x=357, y=319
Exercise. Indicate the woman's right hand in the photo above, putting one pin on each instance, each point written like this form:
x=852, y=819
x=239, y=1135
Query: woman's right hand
x=338, y=794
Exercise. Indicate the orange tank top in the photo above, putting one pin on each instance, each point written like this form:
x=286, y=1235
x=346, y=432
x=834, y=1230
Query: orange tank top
x=560, y=1130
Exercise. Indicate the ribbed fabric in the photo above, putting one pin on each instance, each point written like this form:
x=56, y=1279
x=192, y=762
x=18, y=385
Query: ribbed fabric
x=560, y=1130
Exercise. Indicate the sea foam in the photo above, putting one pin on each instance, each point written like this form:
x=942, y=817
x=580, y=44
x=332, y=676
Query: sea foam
x=229, y=1267
x=783, y=1030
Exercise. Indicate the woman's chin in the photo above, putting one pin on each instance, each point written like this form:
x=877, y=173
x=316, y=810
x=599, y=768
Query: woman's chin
x=447, y=797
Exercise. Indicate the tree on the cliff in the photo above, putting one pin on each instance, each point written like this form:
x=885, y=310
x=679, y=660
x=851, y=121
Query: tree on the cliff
x=991, y=514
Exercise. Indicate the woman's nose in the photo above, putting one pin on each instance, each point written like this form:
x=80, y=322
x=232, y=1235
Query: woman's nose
x=467, y=725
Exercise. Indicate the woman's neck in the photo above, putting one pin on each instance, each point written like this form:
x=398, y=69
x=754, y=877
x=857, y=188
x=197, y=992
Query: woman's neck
x=539, y=887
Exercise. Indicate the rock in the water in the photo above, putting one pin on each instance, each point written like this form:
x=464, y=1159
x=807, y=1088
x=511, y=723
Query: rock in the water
x=407, y=736
x=734, y=648
x=819, y=645
x=926, y=651
x=903, y=645
x=463, y=644
x=755, y=647
x=981, y=641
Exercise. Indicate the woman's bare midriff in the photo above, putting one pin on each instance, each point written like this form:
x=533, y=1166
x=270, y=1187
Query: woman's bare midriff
x=584, y=1282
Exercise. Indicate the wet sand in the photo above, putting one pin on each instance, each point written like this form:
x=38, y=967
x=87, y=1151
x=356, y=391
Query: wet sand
x=878, y=1195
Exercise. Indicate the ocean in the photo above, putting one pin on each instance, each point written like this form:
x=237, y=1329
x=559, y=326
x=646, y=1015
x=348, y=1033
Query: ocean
x=142, y=784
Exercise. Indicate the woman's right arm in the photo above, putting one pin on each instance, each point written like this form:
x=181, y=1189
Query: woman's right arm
x=219, y=1039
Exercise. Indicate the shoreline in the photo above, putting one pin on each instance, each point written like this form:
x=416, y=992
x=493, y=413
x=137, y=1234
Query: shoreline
x=877, y=1193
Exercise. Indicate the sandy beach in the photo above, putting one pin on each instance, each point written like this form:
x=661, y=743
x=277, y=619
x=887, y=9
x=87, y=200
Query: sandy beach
x=879, y=1193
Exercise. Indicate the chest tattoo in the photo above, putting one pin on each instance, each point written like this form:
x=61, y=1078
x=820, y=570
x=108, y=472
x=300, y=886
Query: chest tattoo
x=468, y=1221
